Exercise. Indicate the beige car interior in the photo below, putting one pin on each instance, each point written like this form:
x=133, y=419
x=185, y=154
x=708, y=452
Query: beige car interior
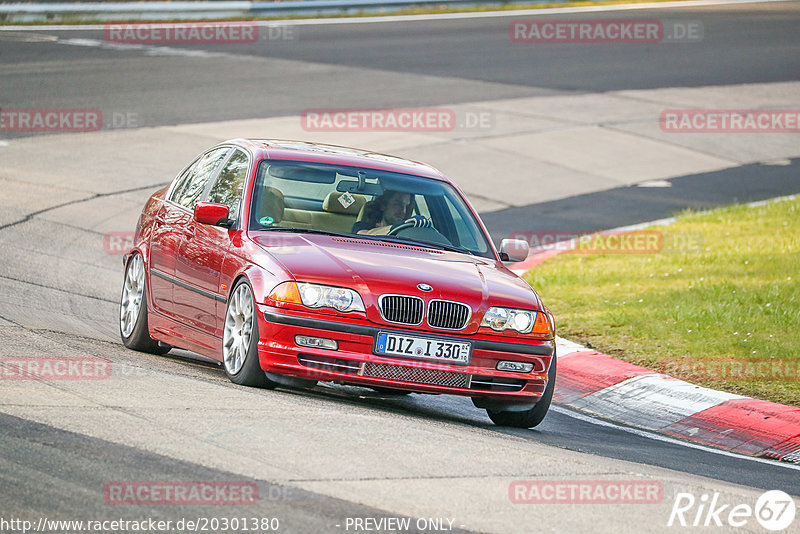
x=336, y=215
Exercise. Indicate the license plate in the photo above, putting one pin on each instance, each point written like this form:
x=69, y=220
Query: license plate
x=423, y=348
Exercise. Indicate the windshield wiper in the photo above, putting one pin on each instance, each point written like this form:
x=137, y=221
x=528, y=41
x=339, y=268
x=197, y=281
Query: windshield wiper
x=429, y=244
x=304, y=231
x=393, y=239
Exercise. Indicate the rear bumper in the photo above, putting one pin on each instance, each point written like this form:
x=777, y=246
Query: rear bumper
x=355, y=361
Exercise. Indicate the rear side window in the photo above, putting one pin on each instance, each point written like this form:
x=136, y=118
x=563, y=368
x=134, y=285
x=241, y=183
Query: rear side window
x=193, y=182
x=230, y=183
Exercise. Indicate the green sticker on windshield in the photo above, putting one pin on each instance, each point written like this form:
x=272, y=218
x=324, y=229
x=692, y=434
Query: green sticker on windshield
x=266, y=221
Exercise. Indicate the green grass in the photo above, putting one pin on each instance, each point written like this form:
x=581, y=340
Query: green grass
x=69, y=19
x=718, y=306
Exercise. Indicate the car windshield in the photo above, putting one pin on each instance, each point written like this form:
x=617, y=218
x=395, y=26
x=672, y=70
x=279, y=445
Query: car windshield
x=373, y=204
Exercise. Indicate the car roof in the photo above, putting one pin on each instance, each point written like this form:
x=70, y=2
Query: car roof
x=340, y=155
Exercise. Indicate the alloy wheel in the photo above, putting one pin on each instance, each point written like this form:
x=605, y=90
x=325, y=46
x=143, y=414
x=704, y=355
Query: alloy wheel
x=238, y=329
x=132, y=293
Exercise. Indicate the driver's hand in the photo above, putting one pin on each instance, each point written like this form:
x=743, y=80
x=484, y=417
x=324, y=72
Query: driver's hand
x=419, y=221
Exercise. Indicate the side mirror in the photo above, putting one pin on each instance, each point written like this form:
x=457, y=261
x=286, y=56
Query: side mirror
x=514, y=250
x=213, y=214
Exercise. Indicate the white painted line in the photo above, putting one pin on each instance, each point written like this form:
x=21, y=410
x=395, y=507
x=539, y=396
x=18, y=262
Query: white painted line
x=641, y=226
x=444, y=16
x=149, y=50
x=28, y=38
x=758, y=203
x=667, y=439
x=671, y=220
x=565, y=346
x=655, y=183
x=778, y=162
x=3, y=143
x=652, y=401
x=87, y=42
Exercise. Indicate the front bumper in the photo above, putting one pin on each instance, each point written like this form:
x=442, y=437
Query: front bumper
x=355, y=361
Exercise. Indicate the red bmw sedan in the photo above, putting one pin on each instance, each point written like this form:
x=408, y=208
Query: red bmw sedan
x=293, y=262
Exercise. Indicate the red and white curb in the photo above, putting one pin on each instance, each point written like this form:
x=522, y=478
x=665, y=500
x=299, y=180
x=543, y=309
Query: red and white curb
x=599, y=384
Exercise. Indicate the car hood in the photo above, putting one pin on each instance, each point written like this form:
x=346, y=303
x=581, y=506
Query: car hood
x=375, y=267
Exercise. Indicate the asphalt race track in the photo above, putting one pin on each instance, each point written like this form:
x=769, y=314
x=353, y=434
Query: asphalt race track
x=573, y=143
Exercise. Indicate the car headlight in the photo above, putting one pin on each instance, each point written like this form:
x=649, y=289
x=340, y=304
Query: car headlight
x=339, y=298
x=509, y=318
x=318, y=296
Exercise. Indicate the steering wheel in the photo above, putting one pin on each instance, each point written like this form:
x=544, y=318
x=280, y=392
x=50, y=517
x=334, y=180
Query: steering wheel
x=400, y=228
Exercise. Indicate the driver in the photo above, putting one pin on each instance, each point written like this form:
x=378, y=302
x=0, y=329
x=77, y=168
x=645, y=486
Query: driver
x=388, y=211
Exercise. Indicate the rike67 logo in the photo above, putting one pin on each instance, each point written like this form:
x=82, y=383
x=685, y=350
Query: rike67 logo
x=774, y=510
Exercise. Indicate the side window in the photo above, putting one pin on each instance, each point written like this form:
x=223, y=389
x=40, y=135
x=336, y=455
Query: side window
x=188, y=192
x=230, y=183
x=180, y=182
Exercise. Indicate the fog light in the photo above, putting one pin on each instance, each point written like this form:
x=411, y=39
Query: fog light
x=316, y=342
x=516, y=367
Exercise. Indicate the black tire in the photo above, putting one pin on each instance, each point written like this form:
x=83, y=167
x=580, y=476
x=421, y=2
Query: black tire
x=138, y=338
x=249, y=373
x=534, y=416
